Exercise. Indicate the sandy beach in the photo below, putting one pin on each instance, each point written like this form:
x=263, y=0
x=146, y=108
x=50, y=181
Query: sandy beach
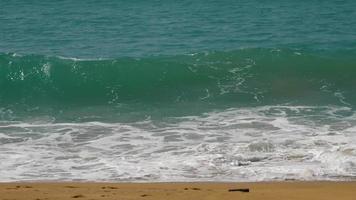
x=175, y=191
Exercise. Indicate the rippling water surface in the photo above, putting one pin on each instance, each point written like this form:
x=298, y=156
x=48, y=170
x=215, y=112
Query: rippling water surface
x=177, y=91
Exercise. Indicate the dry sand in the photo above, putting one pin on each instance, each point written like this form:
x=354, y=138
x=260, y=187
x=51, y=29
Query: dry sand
x=175, y=191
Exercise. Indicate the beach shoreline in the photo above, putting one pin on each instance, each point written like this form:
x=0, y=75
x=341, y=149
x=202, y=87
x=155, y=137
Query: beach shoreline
x=341, y=190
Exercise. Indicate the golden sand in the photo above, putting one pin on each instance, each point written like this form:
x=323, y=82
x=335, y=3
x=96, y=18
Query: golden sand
x=181, y=191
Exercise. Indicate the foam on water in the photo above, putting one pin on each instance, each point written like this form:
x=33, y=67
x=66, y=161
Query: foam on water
x=245, y=144
x=211, y=90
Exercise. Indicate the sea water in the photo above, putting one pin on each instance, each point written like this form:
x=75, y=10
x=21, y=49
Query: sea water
x=177, y=90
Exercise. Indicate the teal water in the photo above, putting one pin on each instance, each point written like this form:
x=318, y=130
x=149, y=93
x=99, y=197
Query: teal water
x=215, y=80
x=177, y=90
x=102, y=29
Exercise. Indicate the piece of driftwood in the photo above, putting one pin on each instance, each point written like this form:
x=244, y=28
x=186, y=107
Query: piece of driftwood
x=240, y=190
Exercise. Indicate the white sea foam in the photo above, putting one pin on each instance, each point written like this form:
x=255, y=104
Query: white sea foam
x=249, y=144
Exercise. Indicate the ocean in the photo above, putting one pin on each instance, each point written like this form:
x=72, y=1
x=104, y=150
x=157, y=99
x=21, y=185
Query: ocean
x=169, y=90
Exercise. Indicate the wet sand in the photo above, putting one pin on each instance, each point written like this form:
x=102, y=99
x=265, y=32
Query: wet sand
x=181, y=191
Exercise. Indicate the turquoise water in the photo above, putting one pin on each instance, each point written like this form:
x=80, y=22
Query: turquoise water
x=102, y=29
x=164, y=86
x=177, y=90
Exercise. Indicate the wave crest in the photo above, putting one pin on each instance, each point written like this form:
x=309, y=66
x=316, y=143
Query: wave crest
x=249, y=76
